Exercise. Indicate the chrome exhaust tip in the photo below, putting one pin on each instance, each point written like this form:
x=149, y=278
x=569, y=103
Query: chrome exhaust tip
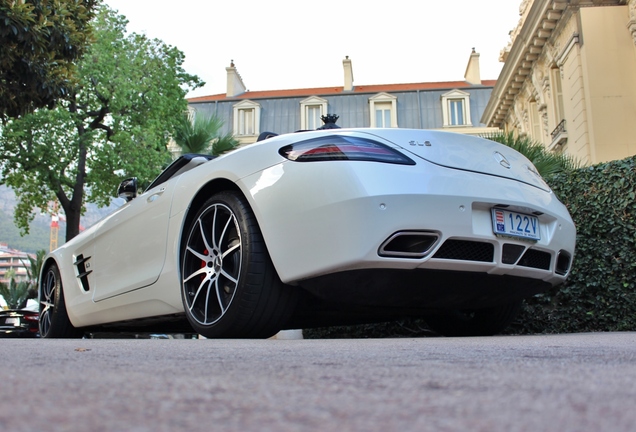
x=409, y=244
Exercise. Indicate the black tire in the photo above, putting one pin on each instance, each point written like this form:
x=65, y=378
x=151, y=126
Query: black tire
x=479, y=322
x=54, y=322
x=229, y=286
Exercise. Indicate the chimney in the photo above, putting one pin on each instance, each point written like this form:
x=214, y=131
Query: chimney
x=472, y=74
x=348, y=74
x=235, y=84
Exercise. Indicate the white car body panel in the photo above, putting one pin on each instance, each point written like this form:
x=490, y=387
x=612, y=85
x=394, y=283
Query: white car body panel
x=127, y=262
x=374, y=209
x=316, y=218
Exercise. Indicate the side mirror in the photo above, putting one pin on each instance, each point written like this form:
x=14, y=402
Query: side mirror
x=128, y=189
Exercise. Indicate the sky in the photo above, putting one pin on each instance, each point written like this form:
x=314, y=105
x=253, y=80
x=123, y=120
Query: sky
x=290, y=44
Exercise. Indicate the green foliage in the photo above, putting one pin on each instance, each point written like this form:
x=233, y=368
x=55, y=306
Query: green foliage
x=202, y=134
x=115, y=123
x=223, y=144
x=33, y=270
x=547, y=163
x=600, y=294
x=16, y=294
x=37, y=238
x=39, y=42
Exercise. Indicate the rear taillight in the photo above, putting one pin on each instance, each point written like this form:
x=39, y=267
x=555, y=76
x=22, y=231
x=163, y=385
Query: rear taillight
x=338, y=147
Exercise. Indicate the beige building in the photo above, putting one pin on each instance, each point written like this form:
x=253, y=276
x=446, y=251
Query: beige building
x=569, y=78
x=13, y=262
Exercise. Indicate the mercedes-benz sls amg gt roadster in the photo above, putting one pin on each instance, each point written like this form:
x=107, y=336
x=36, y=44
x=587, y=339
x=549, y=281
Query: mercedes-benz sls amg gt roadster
x=317, y=228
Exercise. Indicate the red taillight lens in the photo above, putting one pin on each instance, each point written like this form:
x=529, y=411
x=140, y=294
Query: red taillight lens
x=339, y=147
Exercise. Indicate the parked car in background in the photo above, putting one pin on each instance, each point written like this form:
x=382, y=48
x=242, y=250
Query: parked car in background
x=317, y=228
x=21, y=323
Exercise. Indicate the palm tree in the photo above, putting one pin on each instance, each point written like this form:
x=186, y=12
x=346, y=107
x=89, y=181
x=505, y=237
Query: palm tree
x=201, y=134
x=33, y=272
x=547, y=163
x=16, y=294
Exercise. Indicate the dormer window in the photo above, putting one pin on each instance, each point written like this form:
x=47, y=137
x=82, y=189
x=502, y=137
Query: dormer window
x=246, y=119
x=456, y=109
x=311, y=109
x=383, y=111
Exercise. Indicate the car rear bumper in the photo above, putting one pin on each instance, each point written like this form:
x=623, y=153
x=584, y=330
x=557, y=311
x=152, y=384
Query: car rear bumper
x=335, y=216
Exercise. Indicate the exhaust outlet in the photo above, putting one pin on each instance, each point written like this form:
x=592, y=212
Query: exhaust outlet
x=409, y=244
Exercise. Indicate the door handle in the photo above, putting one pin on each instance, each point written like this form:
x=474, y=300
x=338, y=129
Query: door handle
x=156, y=195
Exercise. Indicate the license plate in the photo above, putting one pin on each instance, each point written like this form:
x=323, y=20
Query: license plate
x=509, y=223
x=12, y=321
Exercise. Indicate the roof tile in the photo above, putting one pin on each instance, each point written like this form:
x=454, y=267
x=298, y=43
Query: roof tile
x=328, y=91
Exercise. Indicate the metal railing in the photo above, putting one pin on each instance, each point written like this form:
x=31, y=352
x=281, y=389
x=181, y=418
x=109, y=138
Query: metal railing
x=558, y=130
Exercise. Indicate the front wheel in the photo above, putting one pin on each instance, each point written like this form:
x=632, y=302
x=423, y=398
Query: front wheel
x=54, y=321
x=229, y=285
x=479, y=322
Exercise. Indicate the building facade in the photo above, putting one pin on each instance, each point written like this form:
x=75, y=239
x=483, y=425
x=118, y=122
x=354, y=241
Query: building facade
x=13, y=263
x=455, y=106
x=569, y=78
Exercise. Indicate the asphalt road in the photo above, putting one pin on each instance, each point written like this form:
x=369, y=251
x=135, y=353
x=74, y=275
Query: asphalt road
x=581, y=382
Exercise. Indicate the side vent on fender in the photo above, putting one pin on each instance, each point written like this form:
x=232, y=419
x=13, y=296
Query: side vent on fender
x=82, y=265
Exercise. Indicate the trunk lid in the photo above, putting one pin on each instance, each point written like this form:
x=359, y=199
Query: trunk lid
x=465, y=152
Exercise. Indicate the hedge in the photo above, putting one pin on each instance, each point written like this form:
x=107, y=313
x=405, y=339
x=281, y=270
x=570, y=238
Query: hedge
x=600, y=294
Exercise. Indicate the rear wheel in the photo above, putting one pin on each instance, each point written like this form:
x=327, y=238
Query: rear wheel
x=479, y=322
x=54, y=321
x=229, y=285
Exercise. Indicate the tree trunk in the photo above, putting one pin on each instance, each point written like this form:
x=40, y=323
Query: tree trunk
x=72, y=221
x=73, y=207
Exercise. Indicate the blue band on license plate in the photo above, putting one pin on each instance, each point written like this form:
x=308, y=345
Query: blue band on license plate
x=513, y=224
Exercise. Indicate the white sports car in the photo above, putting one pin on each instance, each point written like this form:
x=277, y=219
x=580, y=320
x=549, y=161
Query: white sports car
x=317, y=228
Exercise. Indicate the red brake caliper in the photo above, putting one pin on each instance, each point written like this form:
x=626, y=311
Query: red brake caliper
x=204, y=263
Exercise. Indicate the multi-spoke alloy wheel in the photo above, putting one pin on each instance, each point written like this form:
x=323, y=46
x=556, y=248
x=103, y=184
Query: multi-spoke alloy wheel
x=47, y=302
x=228, y=283
x=54, y=322
x=212, y=265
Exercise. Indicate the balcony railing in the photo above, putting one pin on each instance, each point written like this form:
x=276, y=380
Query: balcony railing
x=559, y=129
x=559, y=136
